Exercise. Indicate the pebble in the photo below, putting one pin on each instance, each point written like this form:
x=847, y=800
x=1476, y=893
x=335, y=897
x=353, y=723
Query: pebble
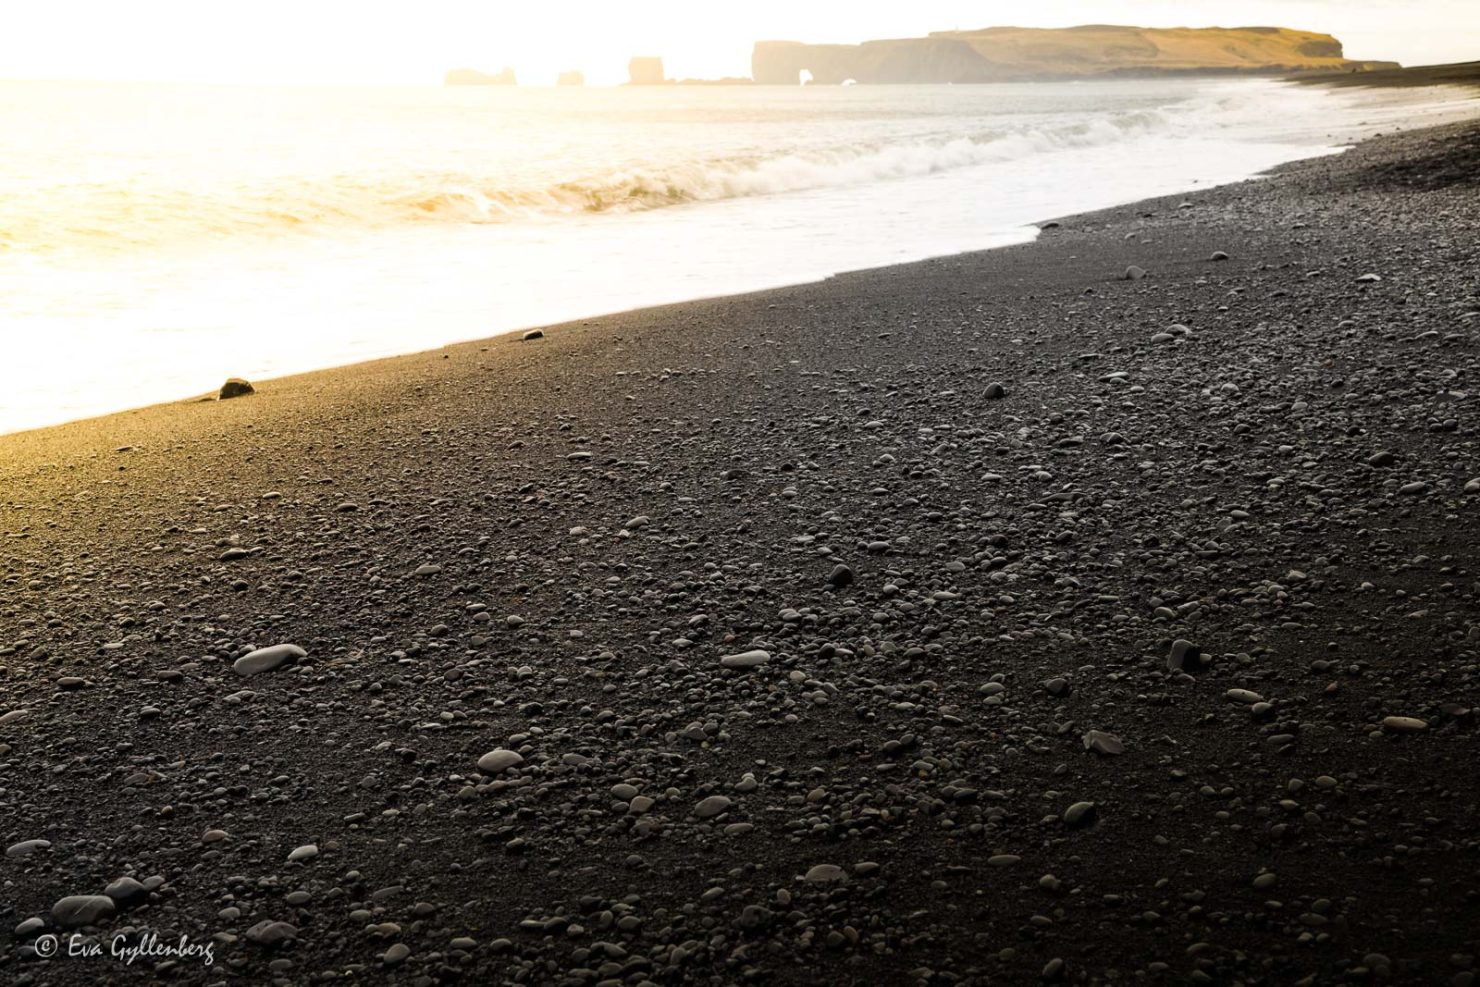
x=825, y=874
x=126, y=890
x=78, y=910
x=23, y=849
x=306, y=852
x=712, y=806
x=267, y=659
x=841, y=576
x=1404, y=724
x=746, y=659
x=1184, y=657
x=1134, y=273
x=499, y=760
x=270, y=933
x=1100, y=742
x=533, y=334
x=1080, y=814
x=235, y=387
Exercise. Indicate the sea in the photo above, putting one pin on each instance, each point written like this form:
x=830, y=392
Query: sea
x=157, y=239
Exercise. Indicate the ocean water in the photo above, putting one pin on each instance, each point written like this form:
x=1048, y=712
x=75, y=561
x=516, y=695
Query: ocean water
x=155, y=240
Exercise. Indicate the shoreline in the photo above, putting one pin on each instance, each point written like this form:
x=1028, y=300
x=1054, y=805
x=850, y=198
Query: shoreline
x=105, y=391
x=1456, y=74
x=965, y=758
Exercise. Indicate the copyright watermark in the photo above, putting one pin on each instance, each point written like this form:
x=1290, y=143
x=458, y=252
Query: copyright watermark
x=125, y=949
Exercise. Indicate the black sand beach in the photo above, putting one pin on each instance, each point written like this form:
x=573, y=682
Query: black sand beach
x=972, y=751
x=1456, y=74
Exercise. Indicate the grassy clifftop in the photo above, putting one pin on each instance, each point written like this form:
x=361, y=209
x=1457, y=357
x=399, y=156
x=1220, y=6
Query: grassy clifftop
x=1006, y=54
x=1098, y=48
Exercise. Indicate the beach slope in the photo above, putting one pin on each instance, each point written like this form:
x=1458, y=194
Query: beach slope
x=1097, y=610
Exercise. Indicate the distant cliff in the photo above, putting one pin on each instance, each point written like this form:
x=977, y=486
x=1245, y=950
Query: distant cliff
x=472, y=77
x=1010, y=54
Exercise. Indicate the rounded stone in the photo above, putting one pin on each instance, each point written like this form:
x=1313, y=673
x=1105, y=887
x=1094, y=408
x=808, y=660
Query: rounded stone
x=746, y=659
x=498, y=761
x=1080, y=814
x=25, y=848
x=75, y=911
x=824, y=874
x=267, y=659
x=711, y=807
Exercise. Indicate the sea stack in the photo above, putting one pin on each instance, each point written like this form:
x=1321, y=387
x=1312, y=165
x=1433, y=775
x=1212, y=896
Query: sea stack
x=645, y=70
x=472, y=77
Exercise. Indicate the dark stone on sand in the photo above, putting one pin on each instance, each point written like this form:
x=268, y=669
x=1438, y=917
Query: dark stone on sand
x=1184, y=657
x=995, y=392
x=533, y=334
x=126, y=891
x=841, y=576
x=746, y=659
x=498, y=761
x=270, y=933
x=267, y=659
x=75, y=911
x=1080, y=815
x=1133, y=273
x=235, y=387
x=1100, y=742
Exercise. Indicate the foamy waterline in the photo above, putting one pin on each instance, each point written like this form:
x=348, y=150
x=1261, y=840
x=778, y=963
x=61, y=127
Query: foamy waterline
x=217, y=268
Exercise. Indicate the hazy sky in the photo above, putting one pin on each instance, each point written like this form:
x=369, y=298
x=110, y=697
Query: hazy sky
x=402, y=41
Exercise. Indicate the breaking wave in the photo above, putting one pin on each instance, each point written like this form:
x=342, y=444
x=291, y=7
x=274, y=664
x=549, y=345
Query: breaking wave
x=660, y=185
x=122, y=214
x=121, y=209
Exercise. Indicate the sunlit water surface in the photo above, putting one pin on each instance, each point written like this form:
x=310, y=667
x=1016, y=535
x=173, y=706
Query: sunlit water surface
x=156, y=239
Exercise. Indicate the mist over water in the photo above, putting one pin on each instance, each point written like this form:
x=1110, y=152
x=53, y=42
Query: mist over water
x=157, y=239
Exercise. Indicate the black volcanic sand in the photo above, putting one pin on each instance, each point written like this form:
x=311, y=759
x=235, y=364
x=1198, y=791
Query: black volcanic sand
x=1456, y=74
x=964, y=758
